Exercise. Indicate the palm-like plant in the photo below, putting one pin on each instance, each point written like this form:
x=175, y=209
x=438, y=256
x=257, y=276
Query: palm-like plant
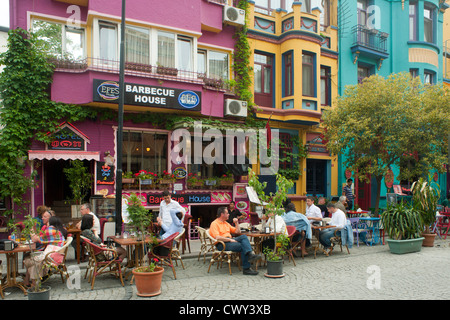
x=402, y=221
x=425, y=199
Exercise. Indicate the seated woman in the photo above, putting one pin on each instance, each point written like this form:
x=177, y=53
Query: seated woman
x=48, y=236
x=87, y=222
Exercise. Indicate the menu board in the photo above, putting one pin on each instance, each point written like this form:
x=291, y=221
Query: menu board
x=105, y=173
x=242, y=200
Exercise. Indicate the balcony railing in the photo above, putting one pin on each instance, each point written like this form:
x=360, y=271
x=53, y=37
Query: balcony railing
x=139, y=70
x=370, y=38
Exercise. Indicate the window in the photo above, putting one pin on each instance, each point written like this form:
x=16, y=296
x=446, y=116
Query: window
x=325, y=86
x=362, y=12
x=212, y=167
x=428, y=24
x=61, y=41
x=212, y=64
x=185, y=61
x=413, y=21
x=144, y=151
x=266, y=6
x=428, y=77
x=286, y=150
x=137, y=42
x=363, y=72
x=263, y=79
x=308, y=77
x=414, y=72
x=288, y=75
x=166, y=49
x=325, y=14
x=108, y=42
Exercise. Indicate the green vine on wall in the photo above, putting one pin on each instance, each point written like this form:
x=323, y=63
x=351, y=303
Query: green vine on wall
x=27, y=113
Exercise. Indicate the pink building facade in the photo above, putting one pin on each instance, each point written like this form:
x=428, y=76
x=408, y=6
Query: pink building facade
x=178, y=62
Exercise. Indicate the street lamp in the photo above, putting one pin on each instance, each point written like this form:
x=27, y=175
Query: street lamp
x=120, y=126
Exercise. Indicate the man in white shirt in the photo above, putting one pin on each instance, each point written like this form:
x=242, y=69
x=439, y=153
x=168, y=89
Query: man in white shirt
x=312, y=211
x=164, y=210
x=338, y=220
x=86, y=209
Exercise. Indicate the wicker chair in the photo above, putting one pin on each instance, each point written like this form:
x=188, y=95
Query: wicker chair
x=207, y=245
x=98, y=267
x=56, y=266
x=220, y=256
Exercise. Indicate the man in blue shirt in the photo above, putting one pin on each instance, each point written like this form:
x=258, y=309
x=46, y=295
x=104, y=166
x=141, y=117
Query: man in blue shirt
x=301, y=224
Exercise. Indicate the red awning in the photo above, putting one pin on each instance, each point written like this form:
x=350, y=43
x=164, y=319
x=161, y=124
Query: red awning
x=63, y=155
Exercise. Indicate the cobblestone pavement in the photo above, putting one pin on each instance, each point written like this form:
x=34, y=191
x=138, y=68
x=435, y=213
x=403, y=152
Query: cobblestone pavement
x=368, y=273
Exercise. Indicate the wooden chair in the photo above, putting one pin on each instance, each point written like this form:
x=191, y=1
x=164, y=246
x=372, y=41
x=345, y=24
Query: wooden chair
x=99, y=267
x=165, y=258
x=176, y=249
x=337, y=239
x=56, y=266
x=207, y=245
x=220, y=256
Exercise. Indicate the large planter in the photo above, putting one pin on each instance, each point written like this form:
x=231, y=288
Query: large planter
x=428, y=239
x=148, y=284
x=405, y=246
x=43, y=294
x=274, y=269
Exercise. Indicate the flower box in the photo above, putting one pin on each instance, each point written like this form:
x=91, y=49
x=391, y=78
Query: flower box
x=167, y=71
x=128, y=180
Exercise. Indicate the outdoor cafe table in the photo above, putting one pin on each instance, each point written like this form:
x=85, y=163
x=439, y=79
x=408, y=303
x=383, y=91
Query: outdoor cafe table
x=373, y=224
x=354, y=214
x=316, y=243
x=258, y=238
x=132, y=243
x=12, y=267
x=76, y=233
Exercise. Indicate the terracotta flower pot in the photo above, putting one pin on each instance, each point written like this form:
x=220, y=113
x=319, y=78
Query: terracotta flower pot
x=148, y=284
x=429, y=239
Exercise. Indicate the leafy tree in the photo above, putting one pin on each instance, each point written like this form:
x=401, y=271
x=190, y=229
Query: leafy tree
x=383, y=121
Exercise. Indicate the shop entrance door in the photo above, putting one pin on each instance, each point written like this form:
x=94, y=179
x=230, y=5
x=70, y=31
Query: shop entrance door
x=316, y=177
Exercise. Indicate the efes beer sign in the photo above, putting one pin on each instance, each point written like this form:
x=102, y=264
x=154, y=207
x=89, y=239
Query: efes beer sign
x=149, y=96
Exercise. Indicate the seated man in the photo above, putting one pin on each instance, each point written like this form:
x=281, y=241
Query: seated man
x=221, y=230
x=312, y=211
x=342, y=204
x=301, y=224
x=338, y=220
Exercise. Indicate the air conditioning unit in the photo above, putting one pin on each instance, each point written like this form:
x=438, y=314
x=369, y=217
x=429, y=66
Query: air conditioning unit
x=235, y=108
x=233, y=16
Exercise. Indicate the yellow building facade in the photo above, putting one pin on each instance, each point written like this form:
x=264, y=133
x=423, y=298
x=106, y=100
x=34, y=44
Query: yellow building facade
x=295, y=63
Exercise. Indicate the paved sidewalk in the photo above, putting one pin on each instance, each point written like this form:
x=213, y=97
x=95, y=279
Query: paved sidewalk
x=368, y=273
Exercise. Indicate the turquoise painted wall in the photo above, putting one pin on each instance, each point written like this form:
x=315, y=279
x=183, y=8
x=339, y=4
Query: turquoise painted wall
x=389, y=17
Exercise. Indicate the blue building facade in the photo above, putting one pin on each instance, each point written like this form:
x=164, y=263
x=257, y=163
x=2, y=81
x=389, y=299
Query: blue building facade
x=384, y=37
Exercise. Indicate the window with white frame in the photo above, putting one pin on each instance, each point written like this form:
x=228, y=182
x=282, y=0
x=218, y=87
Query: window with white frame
x=428, y=24
x=213, y=64
x=108, y=42
x=61, y=41
x=137, y=45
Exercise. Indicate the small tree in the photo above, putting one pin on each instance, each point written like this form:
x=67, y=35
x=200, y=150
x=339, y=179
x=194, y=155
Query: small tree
x=425, y=199
x=382, y=121
x=273, y=203
x=80, y=180
x=141, y=220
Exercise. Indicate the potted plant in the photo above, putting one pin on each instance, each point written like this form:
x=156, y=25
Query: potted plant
x=274, y=257
x=194, y=181
x=227, y=180
x=425, y=198
x=80, y=182
x=146, y=177
x=404, y=225
x=127, y=177
x=148, y=277
x=28, y=226
x=273, y=203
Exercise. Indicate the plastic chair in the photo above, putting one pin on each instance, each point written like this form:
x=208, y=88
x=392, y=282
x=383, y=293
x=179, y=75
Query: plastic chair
x=206, y=244
x=165, y=258
x=358, y=228
x=186, y=221
x=220, y=256
x=176, y=249
x=444, y=224
x=98, y=267
x=59, y=267
x=291, y=232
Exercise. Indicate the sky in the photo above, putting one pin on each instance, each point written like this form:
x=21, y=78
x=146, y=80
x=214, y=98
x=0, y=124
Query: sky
x=4, y=13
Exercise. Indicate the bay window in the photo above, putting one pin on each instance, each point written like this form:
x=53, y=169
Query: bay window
x=288, y=74
x=263, y=79
x=308, y=77
x=428, y=24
